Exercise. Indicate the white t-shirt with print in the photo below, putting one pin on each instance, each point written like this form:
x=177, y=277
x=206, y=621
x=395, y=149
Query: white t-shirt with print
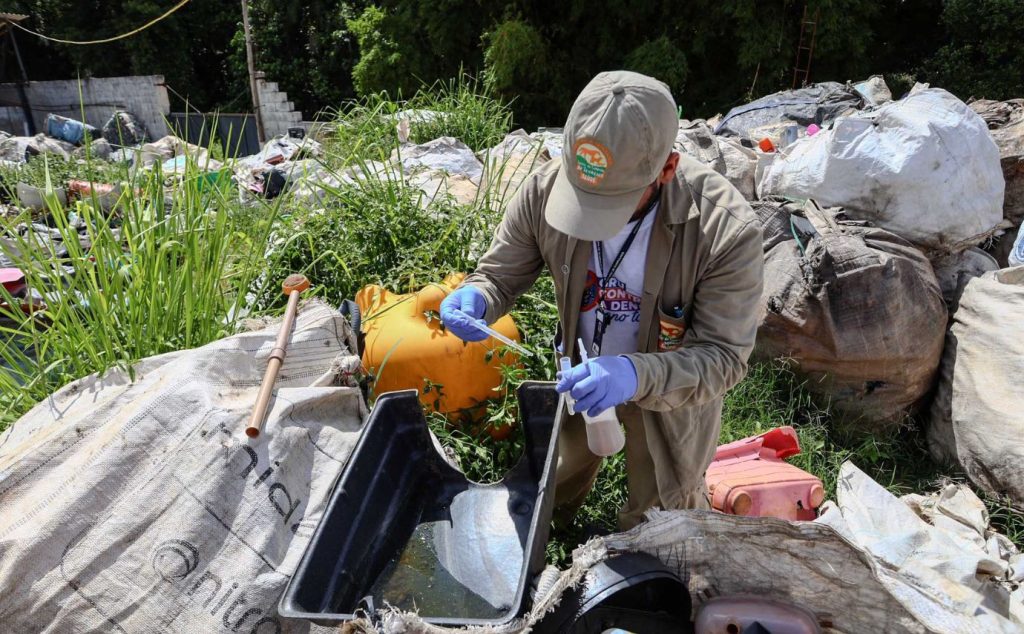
x=622, y=292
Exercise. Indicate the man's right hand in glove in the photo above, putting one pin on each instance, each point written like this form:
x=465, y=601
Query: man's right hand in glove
x=470, y=301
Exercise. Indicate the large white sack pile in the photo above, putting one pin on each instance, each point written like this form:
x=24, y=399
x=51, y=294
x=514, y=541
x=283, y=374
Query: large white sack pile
x=924, y=167
x=855, y=309
x=978, y=412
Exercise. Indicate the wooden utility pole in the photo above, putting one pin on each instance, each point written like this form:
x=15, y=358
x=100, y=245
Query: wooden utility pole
x=7, y=20
x=250, y=58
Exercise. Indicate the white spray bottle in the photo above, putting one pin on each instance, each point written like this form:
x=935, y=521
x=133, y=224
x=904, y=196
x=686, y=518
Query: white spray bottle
x=604, y=433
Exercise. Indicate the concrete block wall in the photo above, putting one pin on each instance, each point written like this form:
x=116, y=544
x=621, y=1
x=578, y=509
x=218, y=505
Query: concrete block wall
x=143, y=95
x=277, y=112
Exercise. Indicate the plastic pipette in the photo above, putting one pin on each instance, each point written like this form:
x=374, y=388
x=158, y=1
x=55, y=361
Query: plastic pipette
x=583, y=351
x=497, y=335
x=565, y=364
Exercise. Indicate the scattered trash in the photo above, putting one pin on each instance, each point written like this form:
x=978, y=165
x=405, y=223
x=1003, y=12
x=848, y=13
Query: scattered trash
x=953, y=270
x=168, y=148
x=445, y=153
x=106, y=194
x=819, y=104
x=924, y=167
x=99, y=149
x=697, y=140
x=19, y=148
x=435, y=183
x=124, y=156
x=284, y=148
x=70, y=130
x=750, y=477
x=552, y=138
x=856, y=309
x=976, y=418
x=124, y=128
x=275, y=182
x=874, y=91
x=723, y=154
x=13, y=280
x=39, y=199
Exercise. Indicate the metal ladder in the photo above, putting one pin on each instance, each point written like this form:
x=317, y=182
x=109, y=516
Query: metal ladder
x=802, y=67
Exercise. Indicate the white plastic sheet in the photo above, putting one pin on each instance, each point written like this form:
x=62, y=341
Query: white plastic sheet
x=934, y=553
x=444, y=153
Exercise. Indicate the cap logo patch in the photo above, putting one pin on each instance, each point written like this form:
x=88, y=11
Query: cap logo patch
x=592, y=160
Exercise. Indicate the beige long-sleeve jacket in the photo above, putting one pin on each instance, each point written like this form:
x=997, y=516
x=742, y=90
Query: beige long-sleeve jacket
x=704, y=256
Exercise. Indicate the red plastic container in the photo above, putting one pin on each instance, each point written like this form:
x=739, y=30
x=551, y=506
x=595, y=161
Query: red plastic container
x=750, y=477
x=13, y=280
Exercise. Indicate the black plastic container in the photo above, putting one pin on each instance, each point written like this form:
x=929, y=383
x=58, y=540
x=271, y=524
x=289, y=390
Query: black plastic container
x=404, y=526
x=634, y=592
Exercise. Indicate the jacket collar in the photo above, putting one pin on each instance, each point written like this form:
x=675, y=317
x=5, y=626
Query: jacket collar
x=677, y=201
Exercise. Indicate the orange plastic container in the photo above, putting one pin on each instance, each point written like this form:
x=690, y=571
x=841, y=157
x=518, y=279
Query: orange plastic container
x=750, y=477
x=406, y=348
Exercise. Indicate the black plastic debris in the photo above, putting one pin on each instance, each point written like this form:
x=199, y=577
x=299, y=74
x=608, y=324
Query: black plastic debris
x=405, y=528
x=634, y=592
x=818, y=103
x=124, y=128
x=275, y=183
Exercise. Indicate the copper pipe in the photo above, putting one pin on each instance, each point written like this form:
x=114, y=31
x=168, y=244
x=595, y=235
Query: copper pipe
x=293, y=286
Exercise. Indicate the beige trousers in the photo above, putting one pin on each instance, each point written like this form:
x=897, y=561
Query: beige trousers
x=578, y=469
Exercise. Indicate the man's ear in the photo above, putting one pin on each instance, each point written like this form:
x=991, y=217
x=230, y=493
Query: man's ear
x=668, y=171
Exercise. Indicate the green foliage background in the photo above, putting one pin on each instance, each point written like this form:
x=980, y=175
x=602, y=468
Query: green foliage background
x=714, y=54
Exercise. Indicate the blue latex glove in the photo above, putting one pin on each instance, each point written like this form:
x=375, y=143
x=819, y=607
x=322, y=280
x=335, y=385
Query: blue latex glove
x=602, y=383
x=470, y=300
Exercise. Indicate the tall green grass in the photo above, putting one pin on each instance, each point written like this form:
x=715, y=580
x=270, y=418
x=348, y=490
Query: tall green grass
x=160, y=272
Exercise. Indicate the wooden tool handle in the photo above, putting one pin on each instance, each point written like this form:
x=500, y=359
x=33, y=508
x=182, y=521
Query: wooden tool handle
x=293, y=287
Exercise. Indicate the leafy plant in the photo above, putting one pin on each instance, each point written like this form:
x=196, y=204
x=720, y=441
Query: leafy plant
x=468, y=110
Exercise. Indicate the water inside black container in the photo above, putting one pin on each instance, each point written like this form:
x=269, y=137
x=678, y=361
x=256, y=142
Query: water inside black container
x=416, y=581
x=404, y=528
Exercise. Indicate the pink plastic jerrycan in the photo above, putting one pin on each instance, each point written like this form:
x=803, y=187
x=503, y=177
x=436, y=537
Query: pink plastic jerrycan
x=750, y=477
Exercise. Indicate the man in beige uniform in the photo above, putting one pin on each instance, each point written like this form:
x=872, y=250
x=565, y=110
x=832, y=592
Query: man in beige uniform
x=694, y=294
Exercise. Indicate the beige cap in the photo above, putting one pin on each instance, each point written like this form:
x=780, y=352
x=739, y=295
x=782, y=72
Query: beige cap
x=618, y=136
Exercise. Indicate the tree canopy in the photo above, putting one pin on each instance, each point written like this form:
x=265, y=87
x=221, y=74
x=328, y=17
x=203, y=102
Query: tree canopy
x=713, y=54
